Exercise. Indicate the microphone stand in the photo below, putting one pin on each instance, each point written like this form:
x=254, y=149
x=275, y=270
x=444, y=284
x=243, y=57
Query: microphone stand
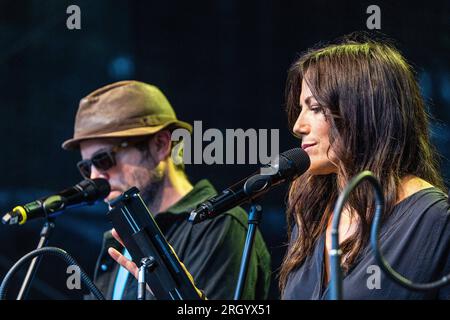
x=46, y=232
x=254, y=218
x=146, y=264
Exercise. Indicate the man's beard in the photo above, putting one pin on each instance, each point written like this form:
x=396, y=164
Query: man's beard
x=152, y=194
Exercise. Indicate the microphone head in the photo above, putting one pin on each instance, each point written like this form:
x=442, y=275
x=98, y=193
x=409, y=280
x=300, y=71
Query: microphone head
x=103, y=187
x=95, y=189
x=297, y=158
x=86, y=192
x=292, y=163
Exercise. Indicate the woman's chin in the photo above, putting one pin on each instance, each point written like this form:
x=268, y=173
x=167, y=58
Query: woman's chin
x=315, y=170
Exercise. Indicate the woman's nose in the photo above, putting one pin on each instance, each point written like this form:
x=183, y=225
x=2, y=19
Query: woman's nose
x=301, y=126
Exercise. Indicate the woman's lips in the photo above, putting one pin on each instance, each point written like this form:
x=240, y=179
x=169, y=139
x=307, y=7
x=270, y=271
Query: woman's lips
x=308, y=145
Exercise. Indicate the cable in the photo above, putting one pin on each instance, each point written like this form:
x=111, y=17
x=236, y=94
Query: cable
x=55, y=252
x=335, y=253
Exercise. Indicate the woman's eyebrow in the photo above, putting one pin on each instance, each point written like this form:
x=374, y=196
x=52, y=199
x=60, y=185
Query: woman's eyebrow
x=307, y=100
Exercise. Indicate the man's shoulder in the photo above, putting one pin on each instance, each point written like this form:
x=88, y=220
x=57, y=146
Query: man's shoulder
x=238, y=215
x=235, y=226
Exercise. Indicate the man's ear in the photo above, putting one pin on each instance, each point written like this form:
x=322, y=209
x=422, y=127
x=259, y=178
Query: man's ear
x=160, y=145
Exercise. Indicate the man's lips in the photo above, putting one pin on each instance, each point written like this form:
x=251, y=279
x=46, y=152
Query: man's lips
x=113, y=193
x=307, y=145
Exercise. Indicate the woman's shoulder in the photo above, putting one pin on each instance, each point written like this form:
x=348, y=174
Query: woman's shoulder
x=411, y=185
x=428, y=207
x=416, y=193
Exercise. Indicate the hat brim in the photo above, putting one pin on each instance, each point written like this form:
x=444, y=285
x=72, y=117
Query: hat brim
x=74, y=143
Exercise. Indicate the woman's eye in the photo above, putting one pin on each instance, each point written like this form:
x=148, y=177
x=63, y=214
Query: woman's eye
x=316, y=109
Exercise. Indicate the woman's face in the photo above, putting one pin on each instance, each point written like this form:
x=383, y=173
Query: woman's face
x=313, y=129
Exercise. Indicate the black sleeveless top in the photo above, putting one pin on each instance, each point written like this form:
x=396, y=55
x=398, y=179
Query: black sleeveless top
x=415, y=240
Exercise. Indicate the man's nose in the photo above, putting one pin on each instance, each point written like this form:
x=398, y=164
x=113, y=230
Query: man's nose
x=95, y=173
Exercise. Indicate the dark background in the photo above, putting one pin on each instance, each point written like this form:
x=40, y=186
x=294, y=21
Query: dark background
x=223, y=62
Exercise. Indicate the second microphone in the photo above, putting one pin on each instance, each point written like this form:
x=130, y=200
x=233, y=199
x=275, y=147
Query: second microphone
x=290, y=165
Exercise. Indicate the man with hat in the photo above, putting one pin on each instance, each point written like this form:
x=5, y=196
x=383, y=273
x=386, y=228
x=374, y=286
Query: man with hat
x=123, y=132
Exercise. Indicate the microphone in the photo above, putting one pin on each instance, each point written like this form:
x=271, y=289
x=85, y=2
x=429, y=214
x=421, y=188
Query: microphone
x=289, y=165
x=86, y=192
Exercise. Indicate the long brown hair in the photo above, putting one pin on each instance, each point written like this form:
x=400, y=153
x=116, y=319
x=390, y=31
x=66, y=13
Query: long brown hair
x=377, y=122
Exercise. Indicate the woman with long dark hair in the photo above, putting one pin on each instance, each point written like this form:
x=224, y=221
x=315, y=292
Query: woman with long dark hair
x=356, y=106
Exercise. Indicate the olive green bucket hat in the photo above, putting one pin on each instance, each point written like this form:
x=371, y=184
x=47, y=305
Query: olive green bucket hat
x=123, y=109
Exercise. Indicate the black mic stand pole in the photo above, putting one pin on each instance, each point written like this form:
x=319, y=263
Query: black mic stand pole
x=254, y=218
x=46, y=232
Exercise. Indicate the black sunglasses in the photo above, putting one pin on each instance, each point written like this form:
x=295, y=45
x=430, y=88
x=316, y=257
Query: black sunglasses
x=103, y=160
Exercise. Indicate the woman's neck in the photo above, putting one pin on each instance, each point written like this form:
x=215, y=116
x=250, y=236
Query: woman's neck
x=410, y=185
